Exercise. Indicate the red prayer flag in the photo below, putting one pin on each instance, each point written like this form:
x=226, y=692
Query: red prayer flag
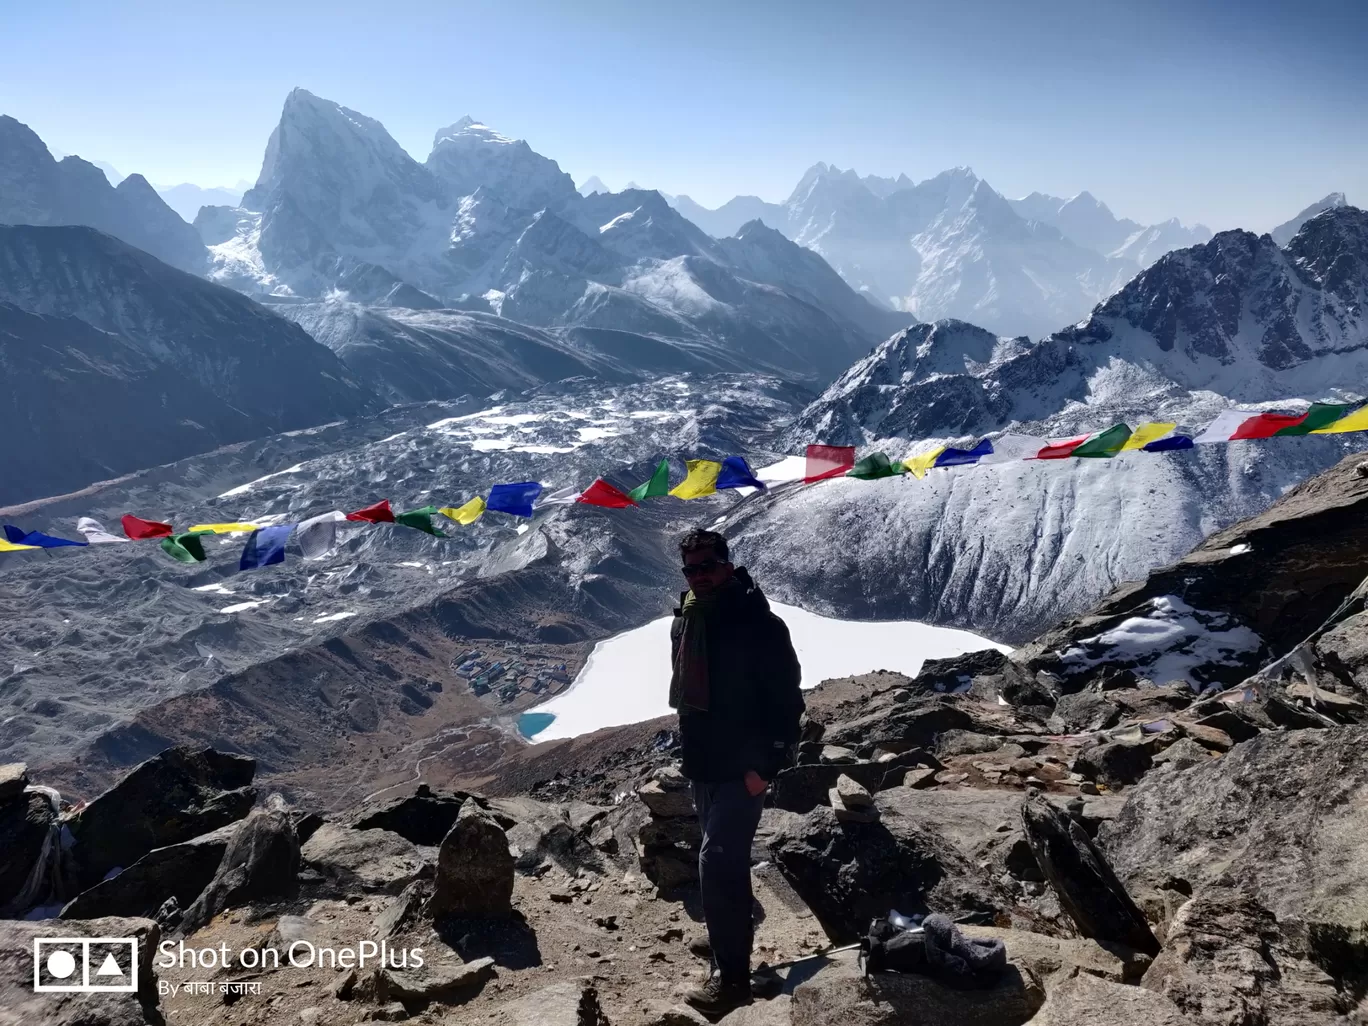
x=601, y=493
x=1266, y=425
x=140, y=530
x=825, y=461
x=380, y=513
x=1061, y=450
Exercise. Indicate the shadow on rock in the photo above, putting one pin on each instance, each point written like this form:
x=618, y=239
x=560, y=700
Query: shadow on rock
x=511, y=942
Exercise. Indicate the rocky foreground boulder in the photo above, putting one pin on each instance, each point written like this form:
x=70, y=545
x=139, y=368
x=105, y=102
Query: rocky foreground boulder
x=172, y=797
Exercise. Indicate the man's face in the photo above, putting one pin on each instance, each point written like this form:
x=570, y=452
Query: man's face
x=705, y=572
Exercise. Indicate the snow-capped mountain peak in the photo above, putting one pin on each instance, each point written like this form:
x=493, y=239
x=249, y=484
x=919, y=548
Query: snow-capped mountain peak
x=469, y=155
x=1284, y=233
x=468, y=127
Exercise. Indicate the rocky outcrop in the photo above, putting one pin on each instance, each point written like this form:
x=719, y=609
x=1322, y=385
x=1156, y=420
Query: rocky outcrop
x=1228, y=962
x=19, y=1003
x=1280, y=818
x=848, y=873
x=1085, y=1000
x=27, y=823
x=423, y=817
x=366, y=861
x=842, y=994
x=261, y=863
x=179, y=871
x=172, y=797
x=474, y=869
x=1088, y=889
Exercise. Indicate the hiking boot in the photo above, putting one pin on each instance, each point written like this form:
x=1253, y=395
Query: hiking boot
x=718, y=997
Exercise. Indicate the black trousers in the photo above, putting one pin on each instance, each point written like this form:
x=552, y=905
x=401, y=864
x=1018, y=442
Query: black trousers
x=729, y=816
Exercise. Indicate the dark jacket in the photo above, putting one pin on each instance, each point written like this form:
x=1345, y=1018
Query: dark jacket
x=754, y=702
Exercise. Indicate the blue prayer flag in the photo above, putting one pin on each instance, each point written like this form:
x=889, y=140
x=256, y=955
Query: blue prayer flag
x=964, y=457
x=736, y=473
x=43, y=541
x=516, y=499
x=1170, y=444
x=265, y=547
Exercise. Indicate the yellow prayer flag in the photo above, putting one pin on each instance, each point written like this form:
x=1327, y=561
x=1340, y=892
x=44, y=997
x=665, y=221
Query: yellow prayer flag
x=918, y=465
x=1146, y=433
x=1356, y=421
x=9, y=546
x=467, y=514
x=702, y=480
x=223, y=528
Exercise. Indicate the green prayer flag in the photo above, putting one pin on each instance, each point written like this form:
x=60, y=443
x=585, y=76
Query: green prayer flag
x=1320, y=415
x=875, y=465
x=419, y=520
x=658, y=485
x=187, y=547
x=1104, y=444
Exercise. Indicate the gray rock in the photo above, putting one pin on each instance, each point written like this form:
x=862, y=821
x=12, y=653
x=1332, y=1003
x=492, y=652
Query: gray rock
x=913, y=724
x=1227, y=962
x=261, y=863
x=1084, y=711
x=1088, y=890
x=1183, y=754
x=405, y=911
x=836, y=755
x=665, y=802
x=675, y=1015
x=1041, y=957
x=1085, y=1000
x=848, y=873
x=474, y=869
x=373, y=861
x=541, y=832
x=846, y=814
x=840, y=995
x=573, y=1003
x=174, y=796
x=19, y=1004
x=447, y=981
x=1117, y=762
x=776, y=1012
x=13, y=780
x=179, y=871
x=852, y=794
x=26, y=825
x=1285, y=814
x=965, y=742
x=424, y=817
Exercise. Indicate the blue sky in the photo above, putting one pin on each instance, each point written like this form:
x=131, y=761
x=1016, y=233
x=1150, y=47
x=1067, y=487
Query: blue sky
x=1234, y=114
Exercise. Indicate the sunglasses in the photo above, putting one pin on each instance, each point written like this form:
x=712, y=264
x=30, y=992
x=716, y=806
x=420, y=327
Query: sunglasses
x=698, y=569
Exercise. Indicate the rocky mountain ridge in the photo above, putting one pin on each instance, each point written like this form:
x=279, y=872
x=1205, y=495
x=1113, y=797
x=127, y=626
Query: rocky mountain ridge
x=117, y=362
x=38, y=190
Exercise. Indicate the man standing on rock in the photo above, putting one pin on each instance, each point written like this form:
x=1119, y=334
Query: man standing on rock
x=735, y=684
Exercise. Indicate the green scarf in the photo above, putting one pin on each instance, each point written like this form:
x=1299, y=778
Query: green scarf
x=689, y=681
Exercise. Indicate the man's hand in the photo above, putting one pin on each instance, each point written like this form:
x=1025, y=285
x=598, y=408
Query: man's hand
x=754, y=785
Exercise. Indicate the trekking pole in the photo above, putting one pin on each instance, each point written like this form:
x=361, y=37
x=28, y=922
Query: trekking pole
x=816, y=954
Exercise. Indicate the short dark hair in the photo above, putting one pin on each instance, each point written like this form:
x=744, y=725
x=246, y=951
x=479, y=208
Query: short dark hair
x=698, y=539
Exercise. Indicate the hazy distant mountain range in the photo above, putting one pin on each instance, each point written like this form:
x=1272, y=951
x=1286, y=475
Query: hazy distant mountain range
x=952, y=246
